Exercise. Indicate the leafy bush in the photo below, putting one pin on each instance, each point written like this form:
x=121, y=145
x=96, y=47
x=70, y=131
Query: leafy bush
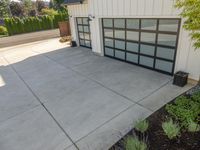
x=133, y=143
x=3, y=30
x=193, y=127
x=185, y=109
x=49, y=12
x=17, y=25
x=171, y=129
x=142, y=126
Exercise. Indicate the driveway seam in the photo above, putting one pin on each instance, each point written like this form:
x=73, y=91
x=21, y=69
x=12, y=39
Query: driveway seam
x=128, y=99
x=51, y=115
x=21, y=113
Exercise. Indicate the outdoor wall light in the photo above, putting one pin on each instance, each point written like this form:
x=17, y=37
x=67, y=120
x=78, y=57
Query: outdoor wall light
x=90, y=17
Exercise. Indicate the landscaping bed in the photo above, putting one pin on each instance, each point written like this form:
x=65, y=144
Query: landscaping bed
x=173, y=127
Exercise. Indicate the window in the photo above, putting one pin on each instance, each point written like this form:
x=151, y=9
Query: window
x=151, y=43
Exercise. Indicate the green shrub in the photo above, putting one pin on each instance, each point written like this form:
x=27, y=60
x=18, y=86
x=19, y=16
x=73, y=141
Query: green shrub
x=184, y=110
x=49, y=12
x=193, y=127
x=3, y=30
x=171, y=129
x=133, y=143
x=17, y=25
x=196, y=97
x=142, y=126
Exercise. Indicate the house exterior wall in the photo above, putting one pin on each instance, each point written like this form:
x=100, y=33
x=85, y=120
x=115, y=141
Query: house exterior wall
x=188, y=59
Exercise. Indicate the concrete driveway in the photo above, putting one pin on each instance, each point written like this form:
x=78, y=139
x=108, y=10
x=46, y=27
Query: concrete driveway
x=53, y=97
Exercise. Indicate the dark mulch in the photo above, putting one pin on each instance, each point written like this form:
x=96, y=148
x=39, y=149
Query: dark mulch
x=157, y=140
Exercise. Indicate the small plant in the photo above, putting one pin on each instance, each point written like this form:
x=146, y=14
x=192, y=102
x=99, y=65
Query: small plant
x=3, y=30
x=171, y=129
x=185, y=109
x=193, y=127
x=142, y=126
x=133, y=143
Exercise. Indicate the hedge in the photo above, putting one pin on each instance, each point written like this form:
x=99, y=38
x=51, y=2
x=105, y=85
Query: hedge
x=17, y=25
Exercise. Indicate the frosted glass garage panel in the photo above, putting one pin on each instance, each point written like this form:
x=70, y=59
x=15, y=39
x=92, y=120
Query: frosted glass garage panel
x=166, y=53
x=87, y=43
x=108, y=33
x=147, y=49
x=167, y=39
x=87, y=36
x=109, y=42
x=146, y=61
x=82, y=42
x=119, y=23
x=148, y=24
x=108, y=23
x=148, y=37
x=86, y=28
x=109, y=51
x=120, y=44
x=81, y=35
x=133, y=47
x=79, y=21
x=168, y=25
x=120, y=54
x=120, y=34
x=85, y=21
x=132, y=23
x=132, y=57
x=80, y=28
x=164, y=65
x=132, y=35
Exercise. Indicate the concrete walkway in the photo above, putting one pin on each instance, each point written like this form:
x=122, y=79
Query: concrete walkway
x=28, y=37
x=53, y=97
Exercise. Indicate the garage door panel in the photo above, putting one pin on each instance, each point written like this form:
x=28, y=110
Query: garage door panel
x=84, y=32
x=151, y=43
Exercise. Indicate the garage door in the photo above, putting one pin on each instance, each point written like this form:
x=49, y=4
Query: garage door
x=151, y=43
x=84, y=32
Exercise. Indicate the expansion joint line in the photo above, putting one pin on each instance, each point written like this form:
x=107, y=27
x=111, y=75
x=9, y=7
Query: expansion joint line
x=46, y=109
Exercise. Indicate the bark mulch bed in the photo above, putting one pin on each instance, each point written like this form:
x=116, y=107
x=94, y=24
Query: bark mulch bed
x=157, y=140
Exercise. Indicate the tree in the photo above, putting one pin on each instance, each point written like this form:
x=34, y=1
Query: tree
x=191, y=13
x=16, y=9
x=4, y=8
x=27, y=6
x=40, y=5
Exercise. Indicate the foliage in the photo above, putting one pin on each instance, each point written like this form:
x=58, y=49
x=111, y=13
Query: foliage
x=4, y=8
x=142, y=126
x=171, y=129
x=17, y=25
x=196, y=97
x=193, y=127
x=191, y=12
x=3, y=30
x=184, y=110
x=27, y=6
x=133, y=143
x=50, y=12
x=16, y=9
x=40, y=5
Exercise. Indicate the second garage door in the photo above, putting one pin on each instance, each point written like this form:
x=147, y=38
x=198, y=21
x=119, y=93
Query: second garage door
x=151, y=43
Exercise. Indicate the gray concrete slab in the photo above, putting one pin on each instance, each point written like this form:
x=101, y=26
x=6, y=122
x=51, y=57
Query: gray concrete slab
x=92, y=98
x=123, y=78
x=33, y=130
x=87, y=108
x=163, y=96
x=15, y=98
x=104, y=137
